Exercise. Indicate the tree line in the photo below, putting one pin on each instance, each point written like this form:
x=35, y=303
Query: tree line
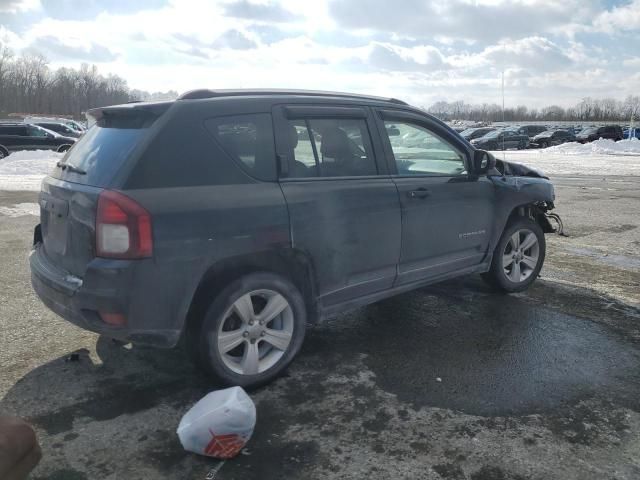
x=587, y=110
x=29, y=86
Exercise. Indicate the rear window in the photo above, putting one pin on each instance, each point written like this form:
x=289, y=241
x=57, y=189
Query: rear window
x=102, y=150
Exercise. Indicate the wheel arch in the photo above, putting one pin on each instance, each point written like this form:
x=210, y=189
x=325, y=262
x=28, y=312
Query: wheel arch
x=63, y=148
x=293, y=264
x=4, y=150
x=535, y=211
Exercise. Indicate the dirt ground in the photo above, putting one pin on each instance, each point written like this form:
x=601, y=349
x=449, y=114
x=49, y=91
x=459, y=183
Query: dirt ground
x=448, y=382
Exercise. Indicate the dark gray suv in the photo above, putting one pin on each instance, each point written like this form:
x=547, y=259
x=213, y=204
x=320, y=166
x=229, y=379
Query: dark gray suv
x=232, y=219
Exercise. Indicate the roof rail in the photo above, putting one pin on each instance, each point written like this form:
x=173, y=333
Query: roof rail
x=207, y=93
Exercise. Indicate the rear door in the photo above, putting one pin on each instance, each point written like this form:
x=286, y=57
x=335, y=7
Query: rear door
x=447, y=213
x=343, y=206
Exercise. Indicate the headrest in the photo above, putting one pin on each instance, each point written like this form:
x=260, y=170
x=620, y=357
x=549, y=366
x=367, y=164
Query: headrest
x=335, y=143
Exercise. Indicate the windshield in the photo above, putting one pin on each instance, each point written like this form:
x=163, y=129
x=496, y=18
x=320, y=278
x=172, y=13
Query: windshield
x=100, y=152
x=468, y=131
x=588, y=131
x=547, y=133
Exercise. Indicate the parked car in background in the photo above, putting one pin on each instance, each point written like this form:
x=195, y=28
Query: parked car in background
x=502, y=140
x=25, y=136
x=59, y=128
x=272, y=229
x=635, y=133
x=471, y=133
x=552, y=137
x=531, y=130
x=611, y=132
x=72, y=124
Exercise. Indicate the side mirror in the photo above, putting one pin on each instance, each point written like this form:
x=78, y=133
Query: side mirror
x=483, y=162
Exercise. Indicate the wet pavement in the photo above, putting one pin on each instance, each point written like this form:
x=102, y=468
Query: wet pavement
x=453, y=381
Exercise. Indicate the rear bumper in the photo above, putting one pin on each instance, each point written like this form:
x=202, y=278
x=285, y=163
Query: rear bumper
x=79, y=301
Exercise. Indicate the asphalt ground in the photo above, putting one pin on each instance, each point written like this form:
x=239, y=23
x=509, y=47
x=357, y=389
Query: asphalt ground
x=453, y=381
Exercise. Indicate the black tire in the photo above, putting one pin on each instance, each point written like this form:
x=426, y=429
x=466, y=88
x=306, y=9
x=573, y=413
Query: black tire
x=3, y=152
x=63, y=148
x=522, y=145
x=202, y=338
x=496, y=275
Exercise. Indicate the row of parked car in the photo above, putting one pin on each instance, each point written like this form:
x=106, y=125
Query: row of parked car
x=540, y=136
x=38, y=134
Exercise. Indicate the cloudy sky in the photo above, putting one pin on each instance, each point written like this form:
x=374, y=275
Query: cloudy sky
x=418, y=50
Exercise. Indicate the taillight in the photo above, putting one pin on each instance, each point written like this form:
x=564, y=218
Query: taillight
x=123, y=227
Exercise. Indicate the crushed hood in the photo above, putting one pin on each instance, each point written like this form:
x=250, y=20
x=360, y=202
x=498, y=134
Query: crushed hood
x=518, y=170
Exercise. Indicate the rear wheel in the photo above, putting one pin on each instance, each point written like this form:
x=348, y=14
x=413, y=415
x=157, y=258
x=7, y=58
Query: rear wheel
x=522, y=145
x=3, y=152
x=518, y=257
x=251, y=331
x=63, y=148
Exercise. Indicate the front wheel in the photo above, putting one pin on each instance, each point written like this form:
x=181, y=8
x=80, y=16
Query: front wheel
x=518, y=257
x=251, y=331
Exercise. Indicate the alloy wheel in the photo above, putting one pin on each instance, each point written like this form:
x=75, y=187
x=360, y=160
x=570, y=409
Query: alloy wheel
x=256, y=332
x=521, y=255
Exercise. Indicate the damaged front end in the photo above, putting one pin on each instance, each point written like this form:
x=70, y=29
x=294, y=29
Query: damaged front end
x=519, y=177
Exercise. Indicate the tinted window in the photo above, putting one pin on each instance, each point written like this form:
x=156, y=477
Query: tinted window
x=418, y=151
x=331, y=148
x=13, y=130
x=248, y=139
x=101, y=152
x=34, y=131
x=55, y=127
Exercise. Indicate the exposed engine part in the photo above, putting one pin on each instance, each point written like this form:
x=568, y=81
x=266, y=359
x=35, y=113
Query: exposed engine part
x=559, y=229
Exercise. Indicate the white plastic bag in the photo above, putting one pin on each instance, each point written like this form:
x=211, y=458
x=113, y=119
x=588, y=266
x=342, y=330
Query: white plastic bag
x=219, y=425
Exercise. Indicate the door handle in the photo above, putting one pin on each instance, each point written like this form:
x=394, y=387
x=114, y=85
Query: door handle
x=419, y=193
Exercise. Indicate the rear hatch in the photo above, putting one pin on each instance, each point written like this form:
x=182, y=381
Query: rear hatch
x=69, y=196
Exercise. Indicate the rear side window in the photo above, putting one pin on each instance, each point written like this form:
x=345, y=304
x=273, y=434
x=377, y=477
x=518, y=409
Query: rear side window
x=13, y=130
x=247, y=139
x=331, y=148
x=102, y=150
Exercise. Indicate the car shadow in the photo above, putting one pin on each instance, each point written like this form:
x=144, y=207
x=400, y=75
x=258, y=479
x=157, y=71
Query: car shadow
x=458, y=346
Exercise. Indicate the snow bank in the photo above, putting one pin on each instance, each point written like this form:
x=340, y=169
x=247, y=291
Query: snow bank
x=25, y=170
x=599, y=147
x=561, y=163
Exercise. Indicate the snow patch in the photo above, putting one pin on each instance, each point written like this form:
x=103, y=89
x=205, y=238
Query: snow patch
x=599, y=147
x=562, y=164
x=24, y=170
x=21, y=210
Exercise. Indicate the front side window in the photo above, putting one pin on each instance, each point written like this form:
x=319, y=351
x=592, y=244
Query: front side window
x=418, y=151
x=331, y=148
x=248, y=139
x=36, y=132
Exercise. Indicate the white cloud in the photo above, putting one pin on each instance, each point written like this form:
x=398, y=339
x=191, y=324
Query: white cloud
x=419, y=50
x=621, y=18
x=16, y=6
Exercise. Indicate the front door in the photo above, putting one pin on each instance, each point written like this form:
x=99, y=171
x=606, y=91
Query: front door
x=343, y=206
x=447, y=212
